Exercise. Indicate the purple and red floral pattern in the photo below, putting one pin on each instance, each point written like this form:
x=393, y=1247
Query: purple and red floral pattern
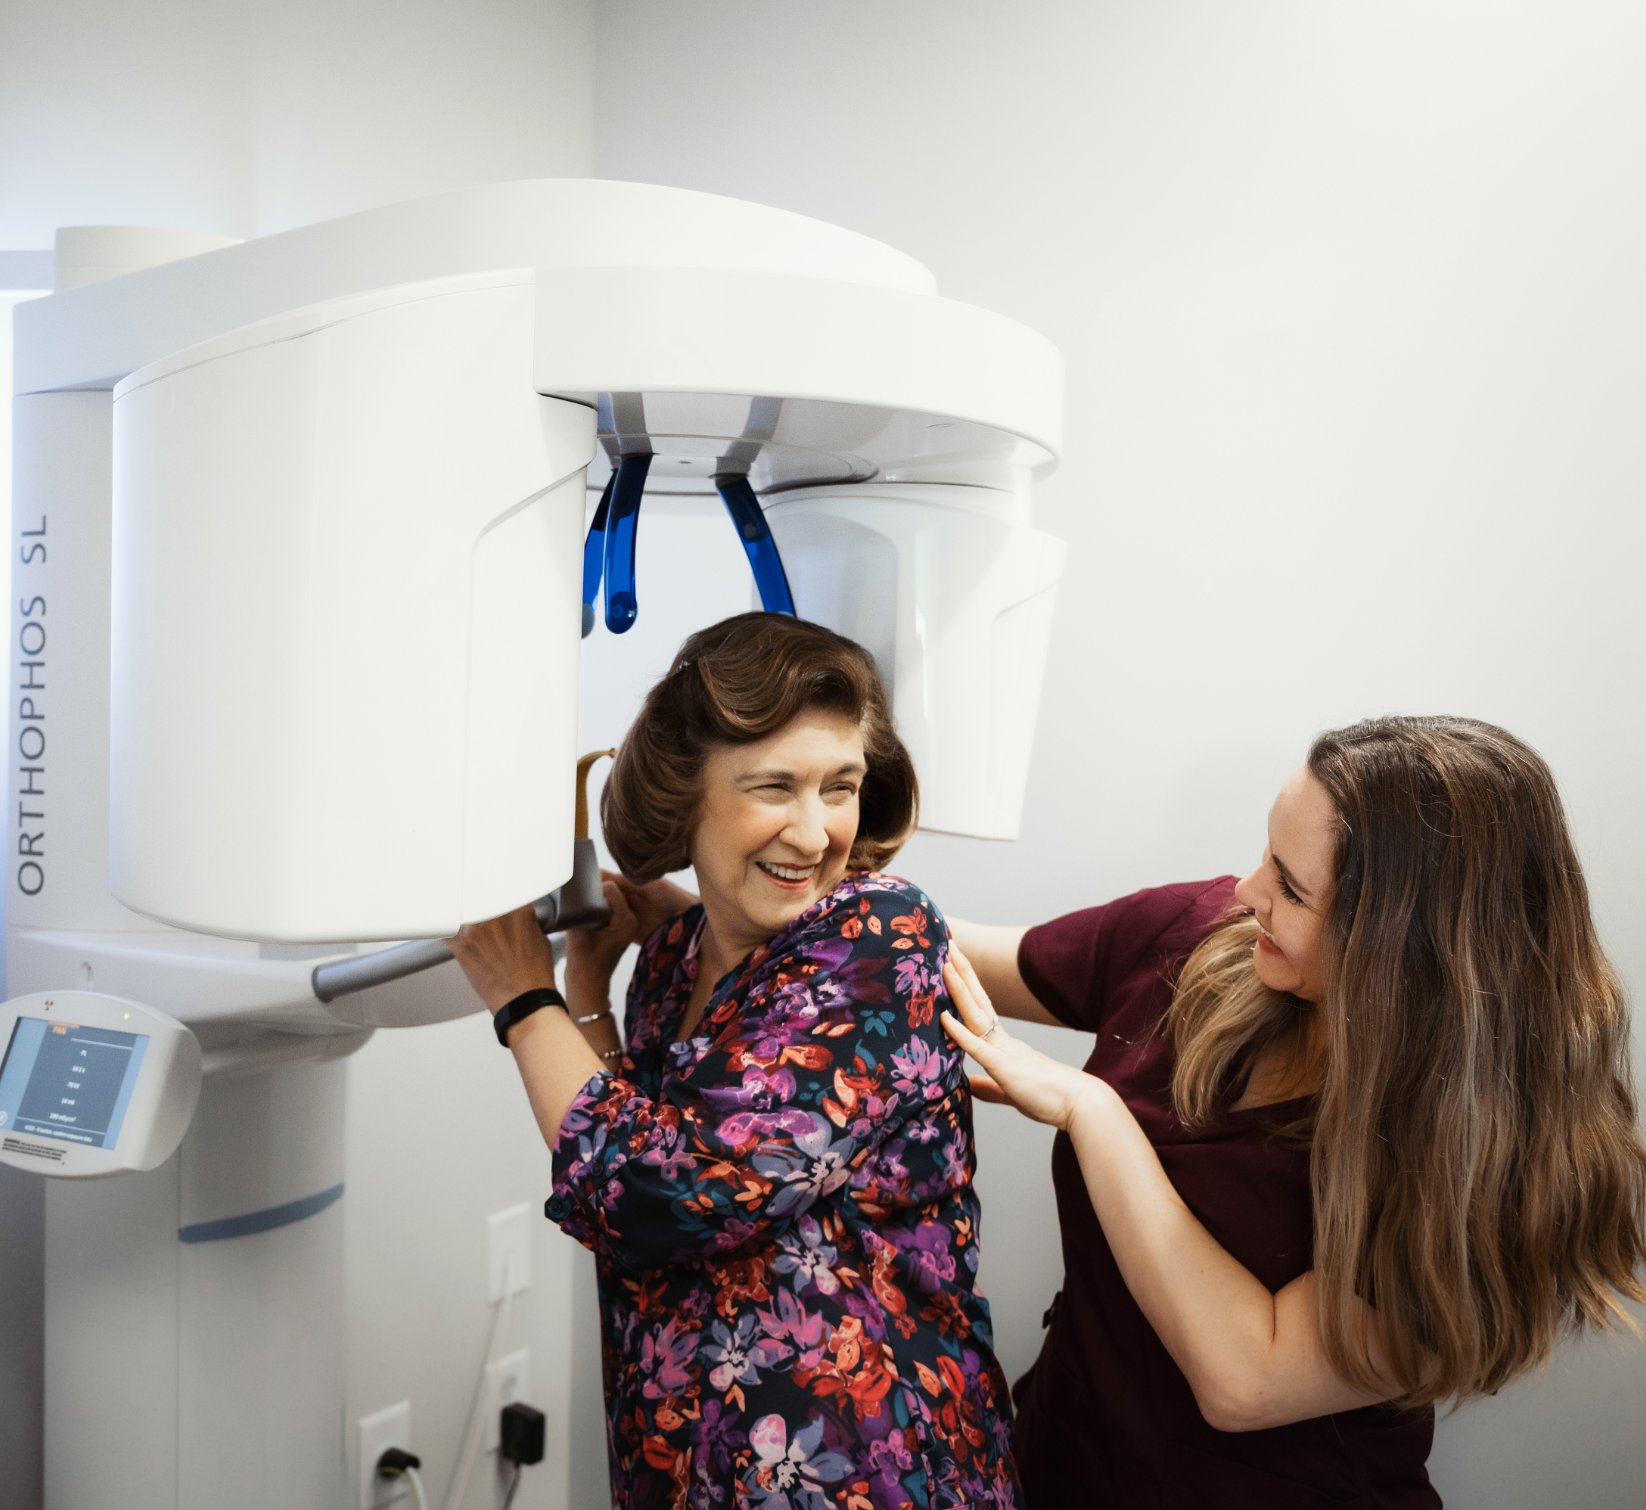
x=782, y=1213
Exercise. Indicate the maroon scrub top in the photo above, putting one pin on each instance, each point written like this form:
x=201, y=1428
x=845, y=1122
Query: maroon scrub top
x=1105, y=1417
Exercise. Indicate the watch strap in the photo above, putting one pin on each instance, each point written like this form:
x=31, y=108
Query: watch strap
x=521, y=1007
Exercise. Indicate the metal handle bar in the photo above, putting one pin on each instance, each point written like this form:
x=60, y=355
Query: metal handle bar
x=580, y=903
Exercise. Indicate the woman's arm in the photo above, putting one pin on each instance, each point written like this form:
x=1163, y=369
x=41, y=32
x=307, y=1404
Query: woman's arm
x=507, y=955
x=591, y=957
x=1253, y=1358
x=555, y=1054
x=993, y=953
x=832, y=1050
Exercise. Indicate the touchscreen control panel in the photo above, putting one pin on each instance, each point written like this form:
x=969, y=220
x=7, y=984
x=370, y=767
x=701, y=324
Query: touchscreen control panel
x=93, y=1084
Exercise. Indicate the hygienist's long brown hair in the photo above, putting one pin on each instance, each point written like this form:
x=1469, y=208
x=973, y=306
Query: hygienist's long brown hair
x=1478, y=1171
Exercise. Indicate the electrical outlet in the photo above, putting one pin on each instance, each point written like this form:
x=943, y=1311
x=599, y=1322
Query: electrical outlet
x=508, y=1247
x=507, y=1380
x=375, y=1434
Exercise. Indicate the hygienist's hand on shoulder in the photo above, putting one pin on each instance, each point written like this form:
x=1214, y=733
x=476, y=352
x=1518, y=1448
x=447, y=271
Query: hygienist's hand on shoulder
x=1013, y=1073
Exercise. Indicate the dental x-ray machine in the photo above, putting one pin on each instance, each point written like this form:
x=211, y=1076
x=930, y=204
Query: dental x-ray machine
x=325, y=496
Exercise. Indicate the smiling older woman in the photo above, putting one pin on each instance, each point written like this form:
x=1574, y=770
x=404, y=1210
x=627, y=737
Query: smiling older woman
x=775, y=1171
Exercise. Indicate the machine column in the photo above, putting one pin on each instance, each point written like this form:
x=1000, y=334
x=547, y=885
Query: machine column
x=196, y=1313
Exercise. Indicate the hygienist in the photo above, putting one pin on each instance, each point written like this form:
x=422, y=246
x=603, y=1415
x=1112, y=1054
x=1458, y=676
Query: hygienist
x=1356, y=1136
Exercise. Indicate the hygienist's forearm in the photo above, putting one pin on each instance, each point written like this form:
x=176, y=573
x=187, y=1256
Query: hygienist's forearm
x=1198, y=1299
x=993, y=952
x=555, y=1062
x=1252, y=1358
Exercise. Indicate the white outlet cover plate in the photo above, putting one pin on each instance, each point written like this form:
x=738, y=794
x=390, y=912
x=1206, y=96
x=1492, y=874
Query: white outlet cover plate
x=375, y=1434
x=507, y=1380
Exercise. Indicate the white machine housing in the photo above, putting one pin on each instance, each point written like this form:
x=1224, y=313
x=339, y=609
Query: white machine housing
x=352, y=532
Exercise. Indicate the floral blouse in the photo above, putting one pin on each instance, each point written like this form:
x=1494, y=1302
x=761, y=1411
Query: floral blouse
x=786, y=1234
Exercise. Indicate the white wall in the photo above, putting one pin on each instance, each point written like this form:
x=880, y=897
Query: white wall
x=250, y=119
x=244, y=120
x=1351, y=302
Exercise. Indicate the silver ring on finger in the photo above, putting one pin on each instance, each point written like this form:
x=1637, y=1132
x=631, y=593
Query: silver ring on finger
x=992, y=1026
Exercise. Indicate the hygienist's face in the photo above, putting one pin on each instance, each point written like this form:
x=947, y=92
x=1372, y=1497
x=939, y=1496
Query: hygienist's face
x=775, y=826
x=1289, y=891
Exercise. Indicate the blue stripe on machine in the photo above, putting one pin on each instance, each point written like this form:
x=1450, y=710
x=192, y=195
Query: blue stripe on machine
x=260, y=1221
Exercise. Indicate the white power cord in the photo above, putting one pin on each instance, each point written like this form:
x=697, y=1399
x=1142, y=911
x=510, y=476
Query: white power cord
x=472, y=1432
x=412, y=1477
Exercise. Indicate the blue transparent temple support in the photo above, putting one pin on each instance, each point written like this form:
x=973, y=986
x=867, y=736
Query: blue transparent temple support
x=628, y=488
x=609, y=550
x=594, y=554
x=758, y=544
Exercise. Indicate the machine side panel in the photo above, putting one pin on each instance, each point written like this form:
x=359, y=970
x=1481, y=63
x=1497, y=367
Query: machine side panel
x=57, y=844
x=955, y=604
x=527, y=575
x=304, y=558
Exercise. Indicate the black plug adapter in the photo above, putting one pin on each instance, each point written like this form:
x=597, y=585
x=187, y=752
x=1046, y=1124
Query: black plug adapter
x=397, y=1460
x=522, y=1435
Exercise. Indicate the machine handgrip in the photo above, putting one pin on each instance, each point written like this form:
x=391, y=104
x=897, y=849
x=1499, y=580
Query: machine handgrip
x=580, y=903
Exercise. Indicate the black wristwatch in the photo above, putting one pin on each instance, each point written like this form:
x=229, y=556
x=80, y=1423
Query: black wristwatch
x=522, y=1007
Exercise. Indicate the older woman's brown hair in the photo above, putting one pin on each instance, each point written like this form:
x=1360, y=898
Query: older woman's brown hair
x=736, y=683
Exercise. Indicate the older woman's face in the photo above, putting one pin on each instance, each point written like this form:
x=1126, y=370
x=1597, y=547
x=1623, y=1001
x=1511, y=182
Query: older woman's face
x=1289, y=890
x=775, y=826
